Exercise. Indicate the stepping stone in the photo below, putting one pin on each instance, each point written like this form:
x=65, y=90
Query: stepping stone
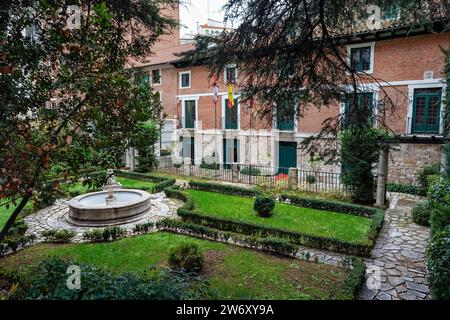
x=417, y=287
x=367, y=294
x=384, y=296
x=393, y=272
x=395, y=281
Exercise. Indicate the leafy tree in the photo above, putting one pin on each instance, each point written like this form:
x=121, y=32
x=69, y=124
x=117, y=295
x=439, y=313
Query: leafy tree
x=145, y=136
x=295, y=50
x=98, y=101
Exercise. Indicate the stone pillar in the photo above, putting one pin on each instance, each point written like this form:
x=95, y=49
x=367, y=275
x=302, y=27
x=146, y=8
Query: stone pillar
x=234, y=173
x=293, y=178
x=187, y=166
x=382, y=177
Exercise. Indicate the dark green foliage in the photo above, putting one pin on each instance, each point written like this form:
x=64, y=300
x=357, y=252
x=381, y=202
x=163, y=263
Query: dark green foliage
x=438, y=261
x=439, y=200
x=186, y=257
x=161, y=181
x=355, y=279
x=440, y=217
x=58, y=235
x=251, y=171
x=329, y=205
x=264, y=206
x=95, y=180
x=105, y=234
x=359, y=151
x=47, y=281
x=426, y=172
x=406, y=188
x=223, y=188
x=144, y=138
x=210, y=166
x=94, y=235
x=311, y=179
x=16, y=237
x=421, y=213
x=270, y=244
x=143, y=228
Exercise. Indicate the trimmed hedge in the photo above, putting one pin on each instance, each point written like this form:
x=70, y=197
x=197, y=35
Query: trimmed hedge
x=421, y=213
x=329, y=205
x=354, y=280
x=406, y=188
x=224, y=188
x=279, y=246
x=161, y=181
x=187, y=213
x=438, y=262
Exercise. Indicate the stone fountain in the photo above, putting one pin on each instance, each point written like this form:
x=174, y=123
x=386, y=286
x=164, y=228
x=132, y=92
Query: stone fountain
x=111, y=206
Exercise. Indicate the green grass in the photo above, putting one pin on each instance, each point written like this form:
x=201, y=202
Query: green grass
x=288, y=217
x=78, y=188
x=6, y=213
x=233, y=272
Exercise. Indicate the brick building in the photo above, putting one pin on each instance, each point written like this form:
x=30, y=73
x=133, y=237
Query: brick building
x=408, y=60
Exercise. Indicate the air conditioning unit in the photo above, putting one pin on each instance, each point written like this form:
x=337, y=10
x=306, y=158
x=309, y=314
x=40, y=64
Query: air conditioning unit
x=427, y=75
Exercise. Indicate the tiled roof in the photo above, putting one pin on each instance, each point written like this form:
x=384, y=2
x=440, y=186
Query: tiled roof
x=162, y=56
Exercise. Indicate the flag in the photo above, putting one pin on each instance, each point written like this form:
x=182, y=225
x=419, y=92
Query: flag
x=230, y=96
x=215, y=90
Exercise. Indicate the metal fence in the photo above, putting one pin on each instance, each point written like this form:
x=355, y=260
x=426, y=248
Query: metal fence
x=266, y=176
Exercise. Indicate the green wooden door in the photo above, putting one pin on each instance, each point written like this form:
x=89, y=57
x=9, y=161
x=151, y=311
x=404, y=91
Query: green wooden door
x=426, y=111
x=189, y=114
x=287, y=153
x=231, y=115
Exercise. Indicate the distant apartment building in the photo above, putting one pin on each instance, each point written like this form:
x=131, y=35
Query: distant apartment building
x=408, y=59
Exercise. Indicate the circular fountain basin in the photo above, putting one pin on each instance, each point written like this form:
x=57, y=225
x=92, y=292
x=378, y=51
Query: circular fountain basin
x=91, y=209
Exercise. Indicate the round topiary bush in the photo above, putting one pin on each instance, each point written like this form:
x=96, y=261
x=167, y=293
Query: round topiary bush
x=421, y=213
x=187, y=257
x=264, y=206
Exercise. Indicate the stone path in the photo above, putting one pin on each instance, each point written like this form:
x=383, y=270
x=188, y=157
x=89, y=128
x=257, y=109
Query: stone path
x=397, y=269
x=54, y=217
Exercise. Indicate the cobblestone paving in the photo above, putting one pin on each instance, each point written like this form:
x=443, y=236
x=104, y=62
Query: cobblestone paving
x=397, y=270
x=54, y=217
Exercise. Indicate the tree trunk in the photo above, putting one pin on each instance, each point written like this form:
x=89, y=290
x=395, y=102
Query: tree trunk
x=14, y=215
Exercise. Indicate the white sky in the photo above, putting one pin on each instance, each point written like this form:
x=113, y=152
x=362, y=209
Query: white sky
x=197, y=11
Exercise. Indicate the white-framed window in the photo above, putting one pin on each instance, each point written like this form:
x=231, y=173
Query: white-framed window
x=365, y=108
x=230, y=73
x=426, y=108
x=155, y=76
x=185, y=79
x=361, y=57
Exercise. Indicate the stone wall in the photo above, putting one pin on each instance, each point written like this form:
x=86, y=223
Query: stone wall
x=406, y=162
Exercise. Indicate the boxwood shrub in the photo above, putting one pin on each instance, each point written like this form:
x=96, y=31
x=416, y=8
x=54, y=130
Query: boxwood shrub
x=354, y=280
x=406, y=188
x=58, y=235
x=224, y=188
x=438, y=261
x=187, y=257
x=264, y=206
x=329, y=205
x=421, y=213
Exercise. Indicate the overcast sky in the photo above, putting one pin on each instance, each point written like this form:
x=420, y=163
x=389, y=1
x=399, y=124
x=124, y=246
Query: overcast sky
x=197, y=11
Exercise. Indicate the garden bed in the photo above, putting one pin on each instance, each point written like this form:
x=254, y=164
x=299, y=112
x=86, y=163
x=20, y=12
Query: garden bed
x=352, y=230
x=233, y=272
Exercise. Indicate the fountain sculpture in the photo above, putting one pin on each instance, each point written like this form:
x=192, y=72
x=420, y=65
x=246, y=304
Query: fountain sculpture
x=113, y=205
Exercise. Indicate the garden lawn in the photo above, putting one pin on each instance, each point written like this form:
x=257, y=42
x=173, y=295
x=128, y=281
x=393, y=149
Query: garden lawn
x=6, y=213
x=340, y=226
x=233, y=272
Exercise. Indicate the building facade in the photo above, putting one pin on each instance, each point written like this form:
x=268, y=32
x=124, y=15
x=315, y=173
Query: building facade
x=409, y=64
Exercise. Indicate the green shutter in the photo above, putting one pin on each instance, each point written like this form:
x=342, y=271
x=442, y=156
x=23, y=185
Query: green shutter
x=189, y=114
x=426, y=112
x=231, y=115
